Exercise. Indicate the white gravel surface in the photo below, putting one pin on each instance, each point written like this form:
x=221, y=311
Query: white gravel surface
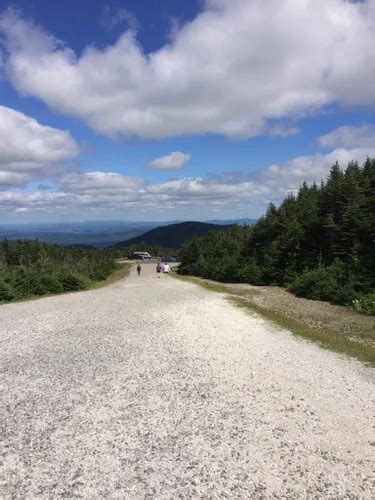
x=159, y=388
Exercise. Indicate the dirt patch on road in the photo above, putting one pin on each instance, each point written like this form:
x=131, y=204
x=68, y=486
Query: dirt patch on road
x=335, y=327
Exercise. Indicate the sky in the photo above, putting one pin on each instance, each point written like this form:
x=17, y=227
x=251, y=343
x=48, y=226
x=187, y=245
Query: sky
x=173, y=110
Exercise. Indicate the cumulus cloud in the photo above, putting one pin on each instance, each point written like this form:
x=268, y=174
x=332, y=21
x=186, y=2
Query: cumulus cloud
x=221, y=73
x=30, y=150
x=208, y=189
x=288, y=176
x=8, y=179
x=38, y=201
x=235, y=194
x=349, y=137
x=173, y=161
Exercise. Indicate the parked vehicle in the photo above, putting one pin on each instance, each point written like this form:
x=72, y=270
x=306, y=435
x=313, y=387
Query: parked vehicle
x=140, y=256
x=169, y=259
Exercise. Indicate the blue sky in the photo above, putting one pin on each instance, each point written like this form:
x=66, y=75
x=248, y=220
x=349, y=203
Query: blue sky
x=167, y=109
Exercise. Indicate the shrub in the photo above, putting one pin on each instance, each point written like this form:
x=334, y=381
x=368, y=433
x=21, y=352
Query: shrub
x=6, y=293
x=51, y=284
x=72, y=282
x=332, y=283
x=250, y=273
x=365, y=303
x=102, y=272
x=29, y=284
x=226, y=270
x=30, y=268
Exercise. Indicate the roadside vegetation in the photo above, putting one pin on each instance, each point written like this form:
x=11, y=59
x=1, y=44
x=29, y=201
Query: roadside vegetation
x=319, y=243
x=32, y=269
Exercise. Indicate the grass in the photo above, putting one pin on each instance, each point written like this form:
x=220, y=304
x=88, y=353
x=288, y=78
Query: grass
x=337, y=328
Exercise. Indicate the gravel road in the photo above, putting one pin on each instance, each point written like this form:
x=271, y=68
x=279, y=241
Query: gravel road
x=159, y=388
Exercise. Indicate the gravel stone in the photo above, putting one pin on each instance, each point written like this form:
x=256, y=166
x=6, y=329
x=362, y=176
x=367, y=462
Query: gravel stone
x=158, y=388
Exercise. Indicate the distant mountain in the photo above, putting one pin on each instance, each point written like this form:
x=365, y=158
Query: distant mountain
x=174, y=235
x=98, y=234
x=93, y=233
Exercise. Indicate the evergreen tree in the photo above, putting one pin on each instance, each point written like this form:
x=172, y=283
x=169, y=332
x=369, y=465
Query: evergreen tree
x=320, y=242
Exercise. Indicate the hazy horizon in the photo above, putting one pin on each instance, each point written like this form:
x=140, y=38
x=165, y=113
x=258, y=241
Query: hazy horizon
x=95, y=233
x=119, y=221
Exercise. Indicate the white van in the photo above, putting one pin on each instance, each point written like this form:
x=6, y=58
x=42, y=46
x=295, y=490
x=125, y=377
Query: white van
x=140, y=255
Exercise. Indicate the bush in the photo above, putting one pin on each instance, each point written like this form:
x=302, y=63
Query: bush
x=102, y=272
x=30, y=284
x=30, y=268
x=6, y=293
x=73, y=282
x=332, y=283
x=226, y=270
x=365, y=303
x=250, y=273
x=51, y=284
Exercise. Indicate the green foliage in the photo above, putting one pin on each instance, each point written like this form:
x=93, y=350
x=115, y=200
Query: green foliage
x=250, y=273
x=319, y=243
x=31, y=283
x=365, y=303
x=215, y=255
x=72, y=282
x=333, y=283
x=33, y=269
x=6, y=293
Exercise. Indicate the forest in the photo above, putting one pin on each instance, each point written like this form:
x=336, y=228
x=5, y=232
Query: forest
x=29, y=268
x=319, y=243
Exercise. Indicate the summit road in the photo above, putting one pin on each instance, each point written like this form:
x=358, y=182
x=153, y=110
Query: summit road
x=158, y=388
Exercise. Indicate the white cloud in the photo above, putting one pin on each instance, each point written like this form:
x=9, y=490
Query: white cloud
x=8, y=179
x=99, y=183
x=349, y=137
x=230, y=195
x=213, y=189
x=38, y=201
x=30, y=150
x=280, y=131
x=290, y=175
x=237, y=67
x=116, y=16
x=172, y=161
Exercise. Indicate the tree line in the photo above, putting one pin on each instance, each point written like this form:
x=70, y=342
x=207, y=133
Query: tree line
x=319, y=243
x=29, y=268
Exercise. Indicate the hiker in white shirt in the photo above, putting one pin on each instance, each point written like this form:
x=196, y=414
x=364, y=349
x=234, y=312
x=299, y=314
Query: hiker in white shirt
x=166, y=268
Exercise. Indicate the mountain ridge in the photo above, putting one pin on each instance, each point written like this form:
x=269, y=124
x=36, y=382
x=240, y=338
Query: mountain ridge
x=173, y=235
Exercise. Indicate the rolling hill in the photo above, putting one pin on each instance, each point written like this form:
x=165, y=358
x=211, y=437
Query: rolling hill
x=172, y=236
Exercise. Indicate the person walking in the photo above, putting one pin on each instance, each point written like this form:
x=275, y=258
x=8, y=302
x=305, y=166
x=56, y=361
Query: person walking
x=158, y=269
x=139, y=269
x=166, y=269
